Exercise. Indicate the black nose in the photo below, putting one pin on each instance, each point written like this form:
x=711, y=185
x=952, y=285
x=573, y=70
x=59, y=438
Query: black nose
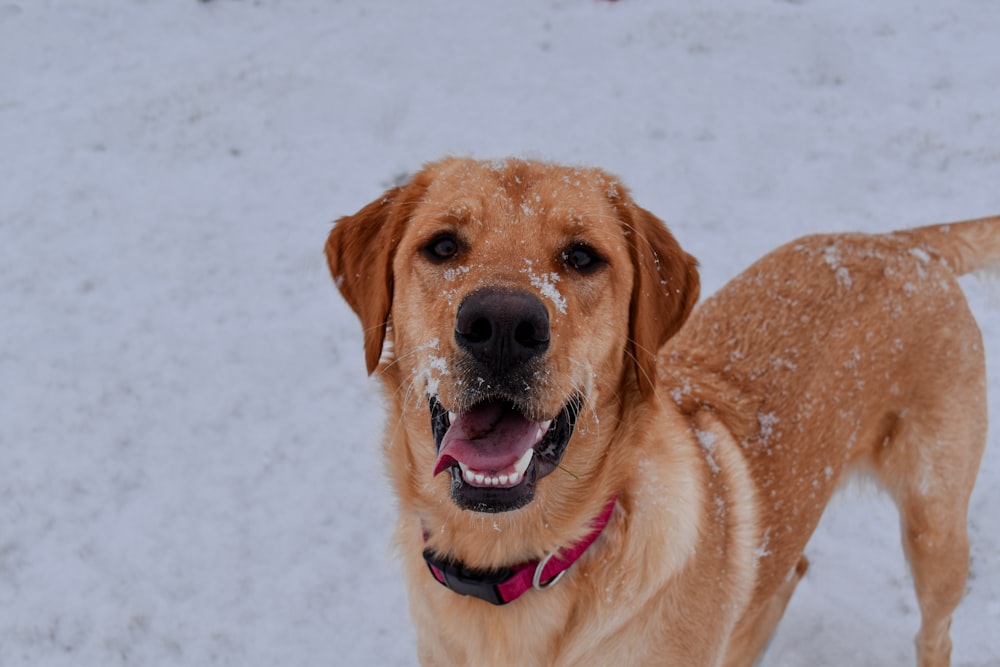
x=502, y=330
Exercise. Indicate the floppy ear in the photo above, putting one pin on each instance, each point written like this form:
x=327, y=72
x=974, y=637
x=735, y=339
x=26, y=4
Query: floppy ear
x=665, y=289
x=360, y=251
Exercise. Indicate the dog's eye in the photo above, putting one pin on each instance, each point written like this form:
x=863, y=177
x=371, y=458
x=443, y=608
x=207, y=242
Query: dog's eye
x=582, y=258
x=441, y=248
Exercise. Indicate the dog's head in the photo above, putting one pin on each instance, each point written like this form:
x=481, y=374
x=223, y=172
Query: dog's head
x=516, y=303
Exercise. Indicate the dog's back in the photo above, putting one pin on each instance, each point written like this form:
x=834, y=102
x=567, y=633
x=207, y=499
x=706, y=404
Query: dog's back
x=846, y=352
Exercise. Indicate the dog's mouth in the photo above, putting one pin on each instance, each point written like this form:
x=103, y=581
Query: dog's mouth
x=496, y=454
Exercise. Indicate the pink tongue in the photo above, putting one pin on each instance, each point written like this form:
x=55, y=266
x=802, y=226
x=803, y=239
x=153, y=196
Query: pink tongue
x=488, y=438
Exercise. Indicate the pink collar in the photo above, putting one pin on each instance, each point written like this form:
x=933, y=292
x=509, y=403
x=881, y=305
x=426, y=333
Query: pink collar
x=507, y=584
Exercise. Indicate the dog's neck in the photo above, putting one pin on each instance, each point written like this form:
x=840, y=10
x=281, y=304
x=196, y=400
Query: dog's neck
x=505, y=585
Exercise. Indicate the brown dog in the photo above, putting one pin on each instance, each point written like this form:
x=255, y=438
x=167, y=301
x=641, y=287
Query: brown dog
x=554, y=427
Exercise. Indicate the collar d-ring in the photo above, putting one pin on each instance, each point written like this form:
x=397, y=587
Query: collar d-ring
x=536, y=581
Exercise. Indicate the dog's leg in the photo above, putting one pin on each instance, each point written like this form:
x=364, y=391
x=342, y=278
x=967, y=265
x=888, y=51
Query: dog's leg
x=937, y=549
x=752, y=634
x=930, y=468
x=933, y=511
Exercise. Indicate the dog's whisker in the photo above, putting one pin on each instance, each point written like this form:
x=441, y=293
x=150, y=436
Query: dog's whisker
x=396, y=359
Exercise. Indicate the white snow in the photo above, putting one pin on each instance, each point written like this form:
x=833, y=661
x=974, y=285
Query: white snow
x=920, y=254
x=191, y=471
x=455, y=273
x=707, y=441
x=545, y=283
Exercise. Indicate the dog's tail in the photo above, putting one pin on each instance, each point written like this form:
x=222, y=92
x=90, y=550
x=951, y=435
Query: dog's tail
x=967, y=247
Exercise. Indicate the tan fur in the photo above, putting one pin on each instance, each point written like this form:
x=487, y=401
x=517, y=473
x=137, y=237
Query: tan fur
x=723, y=439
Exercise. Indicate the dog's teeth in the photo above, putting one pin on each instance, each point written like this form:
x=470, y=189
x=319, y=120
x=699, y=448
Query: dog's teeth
x=452, y=416
x=506, y=480
x=546, y=424
x=522, y=463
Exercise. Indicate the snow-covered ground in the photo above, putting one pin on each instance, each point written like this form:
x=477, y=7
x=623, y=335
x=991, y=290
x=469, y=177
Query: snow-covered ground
x=189, y=461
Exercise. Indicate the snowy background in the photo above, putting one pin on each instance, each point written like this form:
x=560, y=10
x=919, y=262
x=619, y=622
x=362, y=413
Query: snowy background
x=189, y=461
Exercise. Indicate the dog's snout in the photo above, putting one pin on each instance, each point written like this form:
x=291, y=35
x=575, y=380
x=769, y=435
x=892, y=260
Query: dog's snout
x=502, y=330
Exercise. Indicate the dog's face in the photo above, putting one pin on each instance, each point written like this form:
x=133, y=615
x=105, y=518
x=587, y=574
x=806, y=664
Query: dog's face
x=522, y=302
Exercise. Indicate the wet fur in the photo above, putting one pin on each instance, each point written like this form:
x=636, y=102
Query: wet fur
x=722, y=438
